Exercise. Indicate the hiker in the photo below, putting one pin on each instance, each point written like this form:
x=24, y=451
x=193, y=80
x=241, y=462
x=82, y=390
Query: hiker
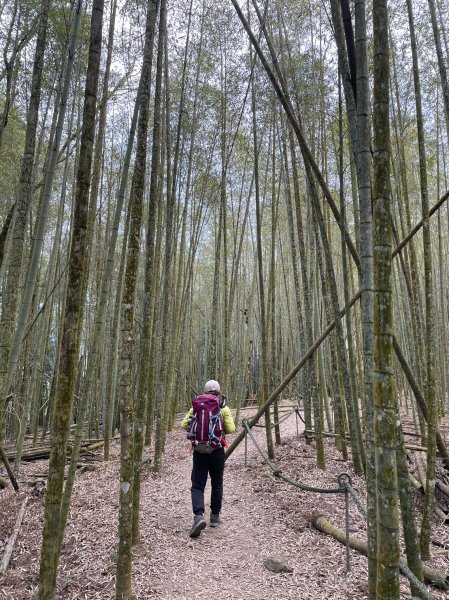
x=207, y=422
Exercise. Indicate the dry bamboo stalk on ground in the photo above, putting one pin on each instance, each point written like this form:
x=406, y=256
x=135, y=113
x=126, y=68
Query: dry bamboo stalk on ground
x=81, y=468
x=12, y=540
x=443, y=488
x=440, y=544
x=322, y=524
x=440, y=513
x=43, y=453
x=417, y=448
x=415, y=483
x=422, y=477
x=421, y=471
x=411, y=433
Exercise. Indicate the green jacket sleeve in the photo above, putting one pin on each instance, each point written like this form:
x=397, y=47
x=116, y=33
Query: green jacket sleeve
x=186, y=419
x=229, y=425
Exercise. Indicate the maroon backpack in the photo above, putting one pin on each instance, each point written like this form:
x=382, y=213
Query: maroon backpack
x=205, y=429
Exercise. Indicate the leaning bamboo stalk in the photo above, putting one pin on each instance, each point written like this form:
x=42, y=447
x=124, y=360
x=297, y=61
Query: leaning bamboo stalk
x=419, y=398
x=278, y=82
x=408, y=372
x=287, y=380
x=5, y=461
x=418, y=225
x=12, y=540
x=285, y=103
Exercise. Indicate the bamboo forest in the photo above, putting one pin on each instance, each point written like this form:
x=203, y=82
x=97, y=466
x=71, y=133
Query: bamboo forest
x=224, y=256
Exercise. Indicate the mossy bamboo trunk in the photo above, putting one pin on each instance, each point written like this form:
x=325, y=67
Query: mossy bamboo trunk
x=260, y=273
x=385, y=403
x=72, y=319
x=127, y=387
x=156, y=198
x=430, y=352
x=407, y=509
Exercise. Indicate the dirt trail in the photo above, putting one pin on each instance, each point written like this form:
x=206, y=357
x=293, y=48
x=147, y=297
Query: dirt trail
x=261, y=517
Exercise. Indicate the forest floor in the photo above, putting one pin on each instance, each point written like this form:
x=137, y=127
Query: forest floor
x=261, y=517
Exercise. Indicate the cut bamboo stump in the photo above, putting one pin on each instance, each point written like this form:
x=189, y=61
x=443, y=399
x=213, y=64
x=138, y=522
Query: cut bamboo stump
x=12, y=540
x=322, y=524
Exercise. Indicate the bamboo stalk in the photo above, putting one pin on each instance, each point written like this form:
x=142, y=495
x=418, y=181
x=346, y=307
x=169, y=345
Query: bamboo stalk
x=443, y=488
x=5, y=461
x=12, y=540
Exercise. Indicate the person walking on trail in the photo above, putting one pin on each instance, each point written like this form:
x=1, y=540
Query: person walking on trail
x=207, y=422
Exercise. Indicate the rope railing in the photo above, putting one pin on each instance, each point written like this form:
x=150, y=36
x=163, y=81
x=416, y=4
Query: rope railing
x=278, y=473
x=281, y=420
x=299, y=415
x=344, y=487
x=356, y=499
x=405, y=570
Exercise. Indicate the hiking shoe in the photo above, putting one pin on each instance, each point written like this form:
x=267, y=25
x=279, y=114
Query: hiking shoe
x=214, y=520
x=199, y=523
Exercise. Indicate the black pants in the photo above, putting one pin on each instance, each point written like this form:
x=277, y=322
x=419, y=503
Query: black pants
x=204, y=464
